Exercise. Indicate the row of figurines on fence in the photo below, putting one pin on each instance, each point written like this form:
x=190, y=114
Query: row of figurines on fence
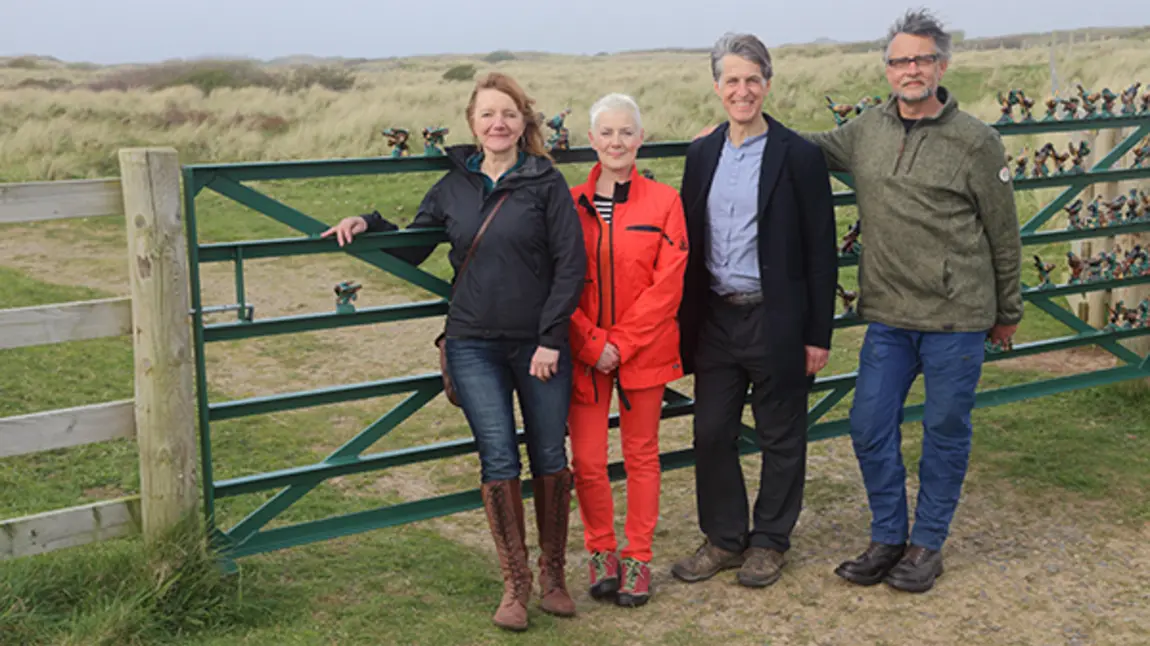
x=1086, y=105
x=1104, y=265
x=434, y=137
x=1076, y=153
x=1129, y=208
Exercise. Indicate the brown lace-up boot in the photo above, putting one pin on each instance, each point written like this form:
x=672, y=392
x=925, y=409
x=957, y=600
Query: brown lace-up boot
x=552, y=509
x=503, y=501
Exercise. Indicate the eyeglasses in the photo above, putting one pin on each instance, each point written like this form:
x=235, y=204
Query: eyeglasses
x=904, y=62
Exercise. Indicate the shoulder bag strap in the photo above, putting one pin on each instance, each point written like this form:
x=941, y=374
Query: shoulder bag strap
x=478, y=236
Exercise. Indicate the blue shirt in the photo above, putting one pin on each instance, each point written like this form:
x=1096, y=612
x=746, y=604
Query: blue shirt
x=732, y=215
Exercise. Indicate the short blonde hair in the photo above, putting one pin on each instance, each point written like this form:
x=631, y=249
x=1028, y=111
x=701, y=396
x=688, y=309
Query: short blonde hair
x=616, y=101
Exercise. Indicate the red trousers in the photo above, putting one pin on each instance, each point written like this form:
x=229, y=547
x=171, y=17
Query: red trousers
x=639, y=428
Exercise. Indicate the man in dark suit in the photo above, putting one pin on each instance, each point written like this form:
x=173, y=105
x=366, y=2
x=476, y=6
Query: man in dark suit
x=757, y=309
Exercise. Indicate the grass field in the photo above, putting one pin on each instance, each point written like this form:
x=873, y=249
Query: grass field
x=1050, y=545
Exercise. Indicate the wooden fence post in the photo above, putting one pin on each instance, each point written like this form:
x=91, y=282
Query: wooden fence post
x=161, y=333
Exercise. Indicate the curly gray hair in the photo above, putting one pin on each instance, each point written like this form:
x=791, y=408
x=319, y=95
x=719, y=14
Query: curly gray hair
x=920, y=22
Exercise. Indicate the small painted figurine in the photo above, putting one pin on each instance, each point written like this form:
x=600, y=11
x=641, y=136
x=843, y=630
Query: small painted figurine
x=1026, y=105
x=648, y=173
x=1079, y=154
x=433, y=138
x=397, y=139
x=1094, y=217
x=561, y=139
x=1051, y=109
x=1006, y=106
x=1076, y=266
x=1040, y=157
x=1141, y=153
x=1044, y=269
x=1145, y=103
x=1132, y=206
x=1089, y=99
x=1073, y=215
x=1114, y=210
x=866, y=103
x=345, y=293
x=1129, y=96
x=1020, y=165
x=850, y=244
x=848, y=298
x=1059, y=159
x=840, y=111
x=1069, y=107
x=1117, y=315
x=1108, y=99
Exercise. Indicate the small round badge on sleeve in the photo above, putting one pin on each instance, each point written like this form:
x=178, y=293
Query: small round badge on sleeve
x=1004, y=175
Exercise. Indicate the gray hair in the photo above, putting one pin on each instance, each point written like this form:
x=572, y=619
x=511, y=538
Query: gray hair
x=744, y=46
x=921, y=23
x=616, y=101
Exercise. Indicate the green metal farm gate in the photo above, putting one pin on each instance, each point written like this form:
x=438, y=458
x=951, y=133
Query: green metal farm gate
x=250, y=535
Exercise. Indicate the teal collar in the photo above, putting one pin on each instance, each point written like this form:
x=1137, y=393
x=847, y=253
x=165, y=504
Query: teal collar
x=475, y=162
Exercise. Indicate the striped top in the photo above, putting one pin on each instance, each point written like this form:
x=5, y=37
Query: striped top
x=604, y=206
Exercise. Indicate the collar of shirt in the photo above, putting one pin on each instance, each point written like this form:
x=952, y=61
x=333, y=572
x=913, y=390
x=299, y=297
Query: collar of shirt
x=475, y=163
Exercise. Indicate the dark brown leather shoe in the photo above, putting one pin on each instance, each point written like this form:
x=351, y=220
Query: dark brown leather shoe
x=761, y=568
x=706, y=562
x=871, y=566
x=916, y=571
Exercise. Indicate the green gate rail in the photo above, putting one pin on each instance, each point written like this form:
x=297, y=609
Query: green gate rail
x=249, y=535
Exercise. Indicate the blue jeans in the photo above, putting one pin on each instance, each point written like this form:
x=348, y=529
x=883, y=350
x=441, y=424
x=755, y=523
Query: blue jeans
x=890, y=360
x=485, y=372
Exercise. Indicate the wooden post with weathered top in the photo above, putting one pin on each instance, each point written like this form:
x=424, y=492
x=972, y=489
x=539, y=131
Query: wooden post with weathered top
x=162, y=341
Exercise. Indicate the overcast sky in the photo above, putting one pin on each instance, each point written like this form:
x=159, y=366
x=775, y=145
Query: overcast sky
x=116, y=31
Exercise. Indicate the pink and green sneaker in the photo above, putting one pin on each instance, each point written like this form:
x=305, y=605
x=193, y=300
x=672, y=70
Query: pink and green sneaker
x=604, y=574
x=636, y=588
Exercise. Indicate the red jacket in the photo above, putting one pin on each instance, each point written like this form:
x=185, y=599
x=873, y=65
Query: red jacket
x=633, y=286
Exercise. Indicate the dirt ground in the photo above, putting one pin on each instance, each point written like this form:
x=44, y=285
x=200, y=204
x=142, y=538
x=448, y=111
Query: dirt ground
x=1020, y=569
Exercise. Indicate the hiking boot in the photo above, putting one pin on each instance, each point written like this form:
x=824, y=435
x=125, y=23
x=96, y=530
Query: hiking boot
x=762, y=567
x=552, y=511
x=500, y=499
x=636, y=589
x=871, y=566
x=604, y=574
x=706, y=562
x=916, y=571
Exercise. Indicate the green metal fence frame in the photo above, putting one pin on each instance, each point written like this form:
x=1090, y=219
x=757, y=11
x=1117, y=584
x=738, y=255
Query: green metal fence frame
x=249, y=537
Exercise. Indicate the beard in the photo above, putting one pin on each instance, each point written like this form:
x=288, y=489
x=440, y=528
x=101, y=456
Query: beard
x=915, y=96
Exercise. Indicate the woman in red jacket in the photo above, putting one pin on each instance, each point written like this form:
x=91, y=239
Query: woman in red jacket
x=624, y=338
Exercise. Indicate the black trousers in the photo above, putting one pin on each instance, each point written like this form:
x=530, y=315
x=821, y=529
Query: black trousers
x=734, y=352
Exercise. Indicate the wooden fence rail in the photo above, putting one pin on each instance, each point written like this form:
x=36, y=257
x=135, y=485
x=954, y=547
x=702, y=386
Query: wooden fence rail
x=160, y=416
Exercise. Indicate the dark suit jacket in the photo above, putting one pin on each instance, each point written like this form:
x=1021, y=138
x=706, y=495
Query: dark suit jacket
x=798, y=261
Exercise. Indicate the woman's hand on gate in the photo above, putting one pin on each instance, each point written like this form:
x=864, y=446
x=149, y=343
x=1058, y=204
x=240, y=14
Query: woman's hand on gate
x=609, y=360
x=545, y=363
x=347, y=229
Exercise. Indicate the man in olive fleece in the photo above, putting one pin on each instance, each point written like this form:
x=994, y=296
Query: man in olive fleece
x=939, y=272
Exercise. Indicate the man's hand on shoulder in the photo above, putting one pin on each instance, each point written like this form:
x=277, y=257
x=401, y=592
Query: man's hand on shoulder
x=704, y=132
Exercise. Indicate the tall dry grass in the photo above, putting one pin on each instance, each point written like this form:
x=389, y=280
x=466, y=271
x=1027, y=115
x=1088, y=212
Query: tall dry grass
x=58, y=134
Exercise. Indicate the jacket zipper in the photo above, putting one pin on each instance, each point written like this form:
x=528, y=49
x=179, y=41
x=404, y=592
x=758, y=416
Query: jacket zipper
x=599, y=283
x=611, y=232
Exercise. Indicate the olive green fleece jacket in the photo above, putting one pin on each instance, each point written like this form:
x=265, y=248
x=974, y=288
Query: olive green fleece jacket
x=939, y=229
